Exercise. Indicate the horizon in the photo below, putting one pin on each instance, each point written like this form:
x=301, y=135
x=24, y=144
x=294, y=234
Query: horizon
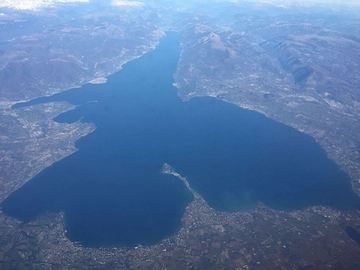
x=37, y=5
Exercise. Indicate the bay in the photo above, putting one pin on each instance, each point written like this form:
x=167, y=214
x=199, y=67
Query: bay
x=112, y=190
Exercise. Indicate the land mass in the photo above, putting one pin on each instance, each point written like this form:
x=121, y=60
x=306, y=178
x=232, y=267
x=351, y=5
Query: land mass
x=298, y=66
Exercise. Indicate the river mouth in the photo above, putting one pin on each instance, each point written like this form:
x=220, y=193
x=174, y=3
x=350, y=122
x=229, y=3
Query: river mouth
x=113, y=191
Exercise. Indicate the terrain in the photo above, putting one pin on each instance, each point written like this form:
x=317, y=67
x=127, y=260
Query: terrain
x=296, y=64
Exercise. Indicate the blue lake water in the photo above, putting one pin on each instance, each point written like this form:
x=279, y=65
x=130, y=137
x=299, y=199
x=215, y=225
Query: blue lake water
x=112, y=191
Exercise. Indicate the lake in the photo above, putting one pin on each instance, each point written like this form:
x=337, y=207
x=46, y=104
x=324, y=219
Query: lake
x=112, y=190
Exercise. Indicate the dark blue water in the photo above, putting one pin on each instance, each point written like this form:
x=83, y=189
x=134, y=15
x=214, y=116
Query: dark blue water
x=353, y=234
x=112, y=190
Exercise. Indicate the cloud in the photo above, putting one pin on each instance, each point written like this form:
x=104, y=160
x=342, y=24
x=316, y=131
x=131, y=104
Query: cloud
x=126, y=3
x=34, y=4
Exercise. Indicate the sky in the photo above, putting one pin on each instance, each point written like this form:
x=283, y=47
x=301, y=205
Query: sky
x=38, y=4
x=344, y=2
